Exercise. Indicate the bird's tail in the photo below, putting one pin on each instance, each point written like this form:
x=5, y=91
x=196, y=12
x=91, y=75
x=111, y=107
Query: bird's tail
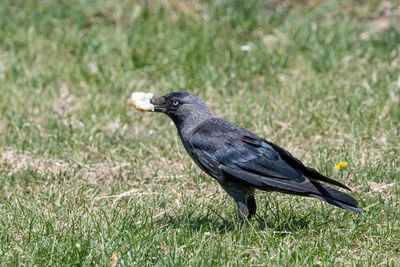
x=308, y=187
x=337, y=198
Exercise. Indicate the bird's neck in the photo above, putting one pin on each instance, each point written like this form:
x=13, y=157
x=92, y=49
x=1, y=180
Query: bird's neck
x=186, y=125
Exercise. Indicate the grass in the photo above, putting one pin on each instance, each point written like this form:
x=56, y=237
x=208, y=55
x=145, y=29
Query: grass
x=83, y=176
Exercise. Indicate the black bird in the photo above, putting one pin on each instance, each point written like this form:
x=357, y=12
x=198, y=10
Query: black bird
x=240, y=160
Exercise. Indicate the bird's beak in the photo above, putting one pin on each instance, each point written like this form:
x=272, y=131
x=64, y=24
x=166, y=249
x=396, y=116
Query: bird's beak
x=159, y=104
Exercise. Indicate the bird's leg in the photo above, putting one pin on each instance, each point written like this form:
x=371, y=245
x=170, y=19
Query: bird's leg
x=244, y=198
x=247, y=208
x=252, y=206
x=243, y=210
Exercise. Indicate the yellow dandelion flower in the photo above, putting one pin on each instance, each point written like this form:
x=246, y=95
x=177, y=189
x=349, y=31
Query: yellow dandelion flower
x=340, y=165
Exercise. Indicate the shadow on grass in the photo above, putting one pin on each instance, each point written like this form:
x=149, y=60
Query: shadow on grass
x=288, y=225
x=199, y=223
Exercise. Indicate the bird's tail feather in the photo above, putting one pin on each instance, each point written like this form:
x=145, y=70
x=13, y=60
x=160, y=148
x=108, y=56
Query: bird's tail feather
x=338, y=203
x=337, y=198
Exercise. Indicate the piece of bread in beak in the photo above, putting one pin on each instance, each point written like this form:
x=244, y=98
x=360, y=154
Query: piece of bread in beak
x=141, y=101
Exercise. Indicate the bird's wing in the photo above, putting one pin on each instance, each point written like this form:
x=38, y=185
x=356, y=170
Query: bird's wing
x=309, y=172
x=238, y=150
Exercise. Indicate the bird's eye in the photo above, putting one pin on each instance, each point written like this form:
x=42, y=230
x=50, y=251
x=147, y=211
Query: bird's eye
x=175, y=103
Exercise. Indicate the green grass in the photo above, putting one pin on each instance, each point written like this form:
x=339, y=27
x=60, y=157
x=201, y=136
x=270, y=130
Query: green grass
x=83, y=175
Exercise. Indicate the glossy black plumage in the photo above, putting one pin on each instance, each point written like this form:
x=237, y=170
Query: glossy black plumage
x=241, y=161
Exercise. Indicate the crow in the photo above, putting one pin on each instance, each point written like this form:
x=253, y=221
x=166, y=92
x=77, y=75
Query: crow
x=240, y=160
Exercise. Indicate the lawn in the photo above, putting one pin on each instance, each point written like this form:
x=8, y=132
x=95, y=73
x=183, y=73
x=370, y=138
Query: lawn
x=87, y=180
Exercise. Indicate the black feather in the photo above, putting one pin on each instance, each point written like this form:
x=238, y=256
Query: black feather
x=310, y=172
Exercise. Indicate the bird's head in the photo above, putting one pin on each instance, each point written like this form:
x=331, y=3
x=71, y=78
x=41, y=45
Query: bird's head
x=182, y=107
